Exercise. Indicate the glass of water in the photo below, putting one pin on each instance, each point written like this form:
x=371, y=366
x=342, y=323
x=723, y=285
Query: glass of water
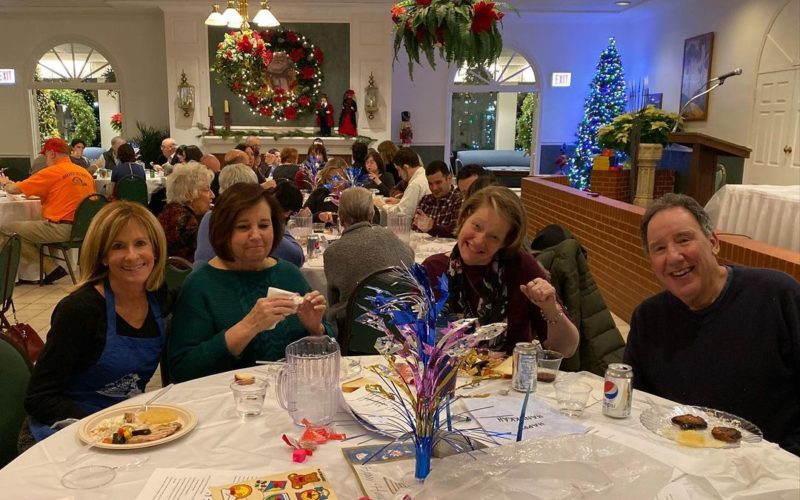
x=572, y=397
x=249, y=398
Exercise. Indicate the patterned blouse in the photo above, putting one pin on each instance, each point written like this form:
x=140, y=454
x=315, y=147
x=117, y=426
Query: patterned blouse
x=180, y=226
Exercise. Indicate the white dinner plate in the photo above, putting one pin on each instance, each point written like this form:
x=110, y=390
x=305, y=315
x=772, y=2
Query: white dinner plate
x=187, y=419
x=659, y=421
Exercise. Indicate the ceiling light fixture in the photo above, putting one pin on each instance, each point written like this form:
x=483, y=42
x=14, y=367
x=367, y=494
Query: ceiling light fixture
x=235, y=16
x=622, y=3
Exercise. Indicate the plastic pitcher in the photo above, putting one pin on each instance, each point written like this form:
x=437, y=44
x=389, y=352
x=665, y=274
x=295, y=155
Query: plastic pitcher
x=308, y=383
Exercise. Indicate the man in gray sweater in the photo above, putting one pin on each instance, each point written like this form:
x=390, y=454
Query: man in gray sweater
x=363, y=249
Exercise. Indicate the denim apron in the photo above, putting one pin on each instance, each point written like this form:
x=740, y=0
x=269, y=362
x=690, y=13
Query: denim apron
x=122, y=371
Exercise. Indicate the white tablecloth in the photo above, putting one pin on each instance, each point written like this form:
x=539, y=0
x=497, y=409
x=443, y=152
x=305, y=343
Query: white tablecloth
x=770, y=214
x=153, y=183
x=423, y=245
x=224, y=441
x=16, y=208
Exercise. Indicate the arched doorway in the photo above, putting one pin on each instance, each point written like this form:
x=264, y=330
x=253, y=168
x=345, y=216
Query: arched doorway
x=775, y=137
x=495, y=107
x=75, y=95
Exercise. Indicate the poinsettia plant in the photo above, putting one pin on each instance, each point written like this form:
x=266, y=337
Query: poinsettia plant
x=461, y=31
x=655, y=126
x=116, y=122
x=277, y=73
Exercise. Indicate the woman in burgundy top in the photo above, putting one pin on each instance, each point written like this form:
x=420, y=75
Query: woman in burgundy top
x=188, y=198
x=493, y=279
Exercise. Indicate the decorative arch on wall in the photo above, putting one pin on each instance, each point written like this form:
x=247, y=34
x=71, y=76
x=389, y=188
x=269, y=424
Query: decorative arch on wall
x=514, y=72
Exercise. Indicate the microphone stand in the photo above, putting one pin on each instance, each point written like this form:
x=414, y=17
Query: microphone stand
x=719, y=81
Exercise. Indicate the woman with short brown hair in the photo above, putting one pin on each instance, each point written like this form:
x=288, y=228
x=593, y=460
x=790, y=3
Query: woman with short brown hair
x=492, y=278
x=226, y=318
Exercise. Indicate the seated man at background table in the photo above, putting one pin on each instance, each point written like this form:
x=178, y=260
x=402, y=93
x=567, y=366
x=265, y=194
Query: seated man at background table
x=168, y=149
x=437, y=213
x=467, y=175
x=411, y=171
x=721, y=336
x=363, y=249
x=109, y=158
x=61, y=186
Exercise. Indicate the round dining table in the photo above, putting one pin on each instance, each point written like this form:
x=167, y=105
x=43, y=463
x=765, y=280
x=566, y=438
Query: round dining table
x=15, y=208
x=224, y=441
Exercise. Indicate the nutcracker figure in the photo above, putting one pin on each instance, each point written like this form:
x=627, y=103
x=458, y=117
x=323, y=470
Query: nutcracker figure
x=324, y=116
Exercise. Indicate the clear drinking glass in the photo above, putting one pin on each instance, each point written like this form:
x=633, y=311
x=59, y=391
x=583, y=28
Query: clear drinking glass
x=572, y=397
x=249, y=399
x=303, y=228
x=549, y=363
x=401, y=226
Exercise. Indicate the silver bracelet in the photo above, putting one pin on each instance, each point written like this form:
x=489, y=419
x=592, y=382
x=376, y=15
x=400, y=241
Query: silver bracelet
x=553, y=321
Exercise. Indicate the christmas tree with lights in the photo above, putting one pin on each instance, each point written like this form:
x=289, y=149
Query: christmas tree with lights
x=606, y=100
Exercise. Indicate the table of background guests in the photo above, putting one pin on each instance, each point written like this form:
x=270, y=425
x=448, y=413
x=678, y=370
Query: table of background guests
x=153, y=183
x=15, y=208
x=770, y=214
x=224, y=441
x=423, y=245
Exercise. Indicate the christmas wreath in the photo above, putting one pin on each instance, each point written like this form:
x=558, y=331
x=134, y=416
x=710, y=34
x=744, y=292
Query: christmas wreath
x=462, y=31
x=276, y=72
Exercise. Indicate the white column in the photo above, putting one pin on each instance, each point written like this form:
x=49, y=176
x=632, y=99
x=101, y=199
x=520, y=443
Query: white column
x=506, y=120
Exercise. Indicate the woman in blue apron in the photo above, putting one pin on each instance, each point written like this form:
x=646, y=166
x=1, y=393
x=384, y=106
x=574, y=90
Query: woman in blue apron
x=107, y=336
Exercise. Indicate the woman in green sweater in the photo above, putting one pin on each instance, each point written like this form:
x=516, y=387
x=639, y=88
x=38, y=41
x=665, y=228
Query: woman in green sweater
x=223, y=319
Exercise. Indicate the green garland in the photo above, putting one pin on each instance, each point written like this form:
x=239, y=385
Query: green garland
x=46, y=113
x=240, y=134
x=463, y=32
x=83, y=115
x=525, y=123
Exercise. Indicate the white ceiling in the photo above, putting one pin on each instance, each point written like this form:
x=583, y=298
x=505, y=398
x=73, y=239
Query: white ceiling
x=522, y=5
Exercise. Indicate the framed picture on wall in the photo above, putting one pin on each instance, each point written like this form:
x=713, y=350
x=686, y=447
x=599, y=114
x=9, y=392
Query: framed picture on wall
x=655, y=100
x=696, y=72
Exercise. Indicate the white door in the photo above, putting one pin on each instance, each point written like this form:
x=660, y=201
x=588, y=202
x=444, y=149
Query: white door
x=776, y=147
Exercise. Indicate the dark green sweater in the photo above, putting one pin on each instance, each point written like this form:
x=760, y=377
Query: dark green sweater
x=213, y=300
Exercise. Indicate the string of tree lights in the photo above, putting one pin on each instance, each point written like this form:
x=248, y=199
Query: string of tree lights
x=606, y=100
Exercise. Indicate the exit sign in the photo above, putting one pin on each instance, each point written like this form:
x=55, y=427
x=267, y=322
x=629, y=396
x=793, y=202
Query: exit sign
x=562, y=79
x=7, y=77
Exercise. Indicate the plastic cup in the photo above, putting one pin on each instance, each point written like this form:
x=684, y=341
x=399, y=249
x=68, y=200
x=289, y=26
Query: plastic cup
x=549, y=363
x=572, y=397
x=249, y=399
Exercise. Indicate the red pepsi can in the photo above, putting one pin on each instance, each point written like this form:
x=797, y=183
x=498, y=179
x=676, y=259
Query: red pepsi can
x=618, y=391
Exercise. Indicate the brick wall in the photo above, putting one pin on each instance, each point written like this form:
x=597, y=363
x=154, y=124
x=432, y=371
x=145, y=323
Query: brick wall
x=615, y=184
x=609, y=230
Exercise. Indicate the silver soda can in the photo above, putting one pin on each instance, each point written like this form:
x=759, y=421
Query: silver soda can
x=524, y=367
x=618, y=391
x=312, y=246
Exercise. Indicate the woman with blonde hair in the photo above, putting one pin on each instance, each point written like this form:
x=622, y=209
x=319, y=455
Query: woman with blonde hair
x=189, y=196
x=107, y=335
x=322, y=203
x=492, y=278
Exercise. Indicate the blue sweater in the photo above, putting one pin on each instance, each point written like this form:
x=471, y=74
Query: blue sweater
x=288, y=249
x=741, y=354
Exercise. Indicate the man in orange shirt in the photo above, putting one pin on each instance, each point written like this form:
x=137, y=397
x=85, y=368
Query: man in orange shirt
x=61, y=186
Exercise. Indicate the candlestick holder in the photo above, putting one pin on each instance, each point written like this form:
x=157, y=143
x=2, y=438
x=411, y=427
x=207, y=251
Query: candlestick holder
x=211, y=129
x=227, y=121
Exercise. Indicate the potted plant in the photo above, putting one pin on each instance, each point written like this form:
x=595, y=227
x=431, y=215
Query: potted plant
x=649, y=130
x=149, y=141
x=655, y=126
